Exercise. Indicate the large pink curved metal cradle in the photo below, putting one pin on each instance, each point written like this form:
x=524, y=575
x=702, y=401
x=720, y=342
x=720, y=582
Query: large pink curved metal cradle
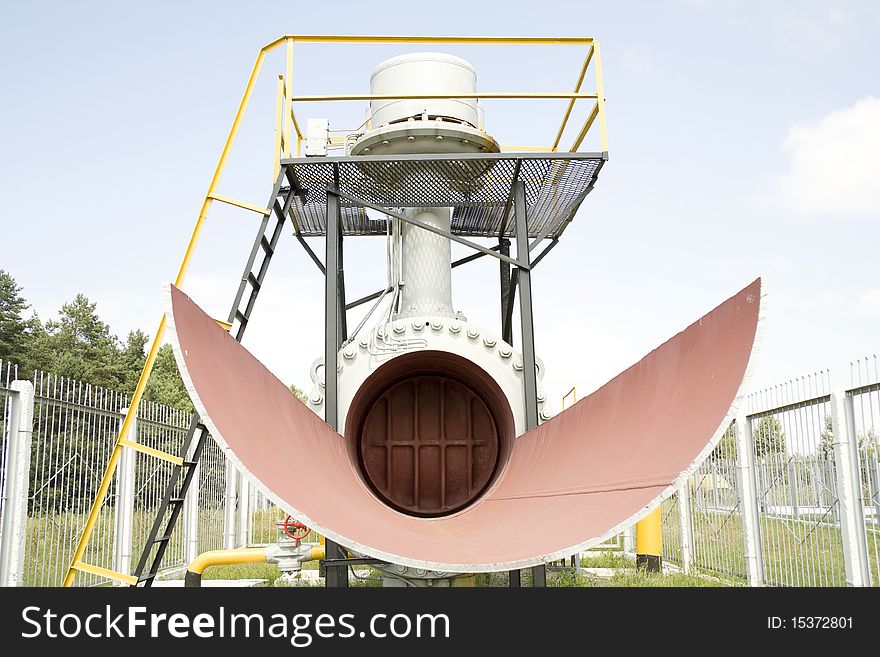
x=567, y=485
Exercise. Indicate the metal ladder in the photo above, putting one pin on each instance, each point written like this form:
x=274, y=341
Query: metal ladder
x=188, y=457
x=185, y=463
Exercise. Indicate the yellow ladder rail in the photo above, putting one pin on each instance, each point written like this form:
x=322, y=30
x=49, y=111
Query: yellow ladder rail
x=103, y=572
x=149, y=451
x=76, y=562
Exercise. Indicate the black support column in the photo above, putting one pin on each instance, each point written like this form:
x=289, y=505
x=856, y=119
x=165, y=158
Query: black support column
x=334, y=327
x=514, y=576
x=527, y=328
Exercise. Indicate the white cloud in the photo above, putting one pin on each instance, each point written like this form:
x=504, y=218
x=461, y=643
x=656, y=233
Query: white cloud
x=835, y=163
x=869, y=304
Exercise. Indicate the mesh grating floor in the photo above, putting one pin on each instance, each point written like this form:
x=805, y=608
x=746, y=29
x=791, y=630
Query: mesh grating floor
x=476, y=187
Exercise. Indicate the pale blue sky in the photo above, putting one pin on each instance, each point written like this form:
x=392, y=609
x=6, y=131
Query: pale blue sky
x=744, y=141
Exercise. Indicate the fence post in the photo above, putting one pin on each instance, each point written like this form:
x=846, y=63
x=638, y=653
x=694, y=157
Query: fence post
x=686, y=526
x=244, y=510
x=849, y=491
x=123, y=512
x=191, y=518
x=229, y=506
x=16, y=492
x=629, y=540
x=745, y=466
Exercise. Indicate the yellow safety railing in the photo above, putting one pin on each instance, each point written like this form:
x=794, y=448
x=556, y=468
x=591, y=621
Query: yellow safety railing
x=573, y=393
x=286, y=125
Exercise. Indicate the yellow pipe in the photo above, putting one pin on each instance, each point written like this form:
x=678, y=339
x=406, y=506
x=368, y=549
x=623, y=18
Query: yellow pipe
x=226, y=558
x=470, y=40
x=600, y=97
x=648, y=541
x=288, y=93
x=277, y=154
x=483, y=95
x=573, y=393
x=317, y=553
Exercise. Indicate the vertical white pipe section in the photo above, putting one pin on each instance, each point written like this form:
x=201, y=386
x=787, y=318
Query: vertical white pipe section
x=686, y=526
x=123, y=514
x=244, y=511
x=426, y=262
x=15, y=493
x=629, y=540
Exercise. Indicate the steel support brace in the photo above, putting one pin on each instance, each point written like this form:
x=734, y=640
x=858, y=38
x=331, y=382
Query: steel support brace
x=334, y=311
x=504, y=270
x=530, y=378
x=849, y=491
x=745, y=467
x=514, y=578
x=519, y=262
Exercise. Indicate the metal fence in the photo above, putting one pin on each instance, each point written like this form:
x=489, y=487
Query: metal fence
x=790, y=495
x=74, y=429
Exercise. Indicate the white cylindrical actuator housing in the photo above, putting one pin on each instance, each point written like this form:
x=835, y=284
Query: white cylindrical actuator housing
x=426, y=270
x=424, y=73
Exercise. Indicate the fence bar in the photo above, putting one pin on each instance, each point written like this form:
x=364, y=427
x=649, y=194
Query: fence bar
x=629, y=540
x=15, y=492
x=745, y=466
x=244, y=511
x=123, y=512
x=849, y=491
x=191, y=517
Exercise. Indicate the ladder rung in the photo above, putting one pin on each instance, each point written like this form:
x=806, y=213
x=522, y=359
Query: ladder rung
x=241, y=204
x=267, y=247
x=176, y=500
x=104, y=572
x=159, y=454
x=253, y=281
x=162, y=539
x=146, y=578
x=190, y=463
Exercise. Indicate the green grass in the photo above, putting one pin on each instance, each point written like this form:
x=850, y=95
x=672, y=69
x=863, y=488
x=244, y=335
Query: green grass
x=267, y=571
x=607, y=560
x=795, y=553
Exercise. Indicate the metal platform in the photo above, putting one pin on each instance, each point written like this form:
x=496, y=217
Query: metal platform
x=478, y=187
